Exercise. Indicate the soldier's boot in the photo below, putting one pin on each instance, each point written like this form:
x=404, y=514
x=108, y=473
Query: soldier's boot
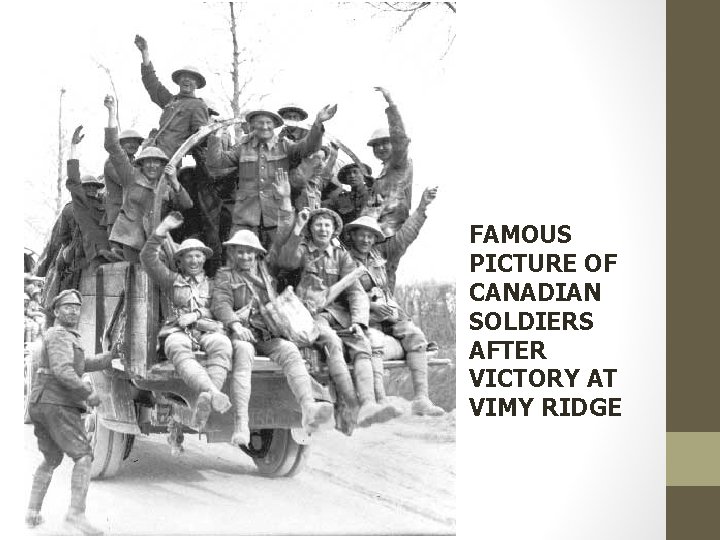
x=421, y=404
x=347, y=403
x=79, y=484
x=370, y=412
x=209, y=397
x=316, y=415
x=41, y=482
x=241, y=377
x=378, y=358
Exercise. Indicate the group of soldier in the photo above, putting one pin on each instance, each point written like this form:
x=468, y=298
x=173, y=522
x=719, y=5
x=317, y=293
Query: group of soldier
x=274, y=208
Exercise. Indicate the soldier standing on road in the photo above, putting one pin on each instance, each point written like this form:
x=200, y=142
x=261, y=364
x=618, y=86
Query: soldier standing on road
x=324, y=262
x=183, y=114
x=258, y=157
x=369, y=249
x=58, y=398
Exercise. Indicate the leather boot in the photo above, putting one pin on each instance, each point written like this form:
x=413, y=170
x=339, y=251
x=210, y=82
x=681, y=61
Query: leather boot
x=79, y=484
x=421, y=404
x=315, y=415
x=346, y=411
x=378, y=357
x=241, y=377
x=209, y=397
x=41, y=482
x=370, y=411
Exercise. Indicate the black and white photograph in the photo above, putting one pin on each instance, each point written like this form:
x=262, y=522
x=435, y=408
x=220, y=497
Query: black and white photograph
x=239, y=268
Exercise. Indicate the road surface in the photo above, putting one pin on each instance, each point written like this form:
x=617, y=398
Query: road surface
x=394, y=478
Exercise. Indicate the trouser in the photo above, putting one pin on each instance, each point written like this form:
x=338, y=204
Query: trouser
x=178, y=349
x=359, y=351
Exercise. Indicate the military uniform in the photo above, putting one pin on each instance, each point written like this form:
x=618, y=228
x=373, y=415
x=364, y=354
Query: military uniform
x=89, y=213
x=181, y=117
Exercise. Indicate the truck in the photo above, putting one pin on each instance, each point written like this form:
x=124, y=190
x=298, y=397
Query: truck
x=142, y=394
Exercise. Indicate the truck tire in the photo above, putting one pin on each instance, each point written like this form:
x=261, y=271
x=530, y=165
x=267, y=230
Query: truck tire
x=109, y=447
x=278, y=454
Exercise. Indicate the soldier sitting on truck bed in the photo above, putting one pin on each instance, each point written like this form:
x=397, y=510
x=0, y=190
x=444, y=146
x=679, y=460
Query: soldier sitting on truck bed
x=191, y=321
x=368, y=248
x=324, y=262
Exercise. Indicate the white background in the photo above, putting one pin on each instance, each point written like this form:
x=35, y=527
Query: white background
x=565, y=102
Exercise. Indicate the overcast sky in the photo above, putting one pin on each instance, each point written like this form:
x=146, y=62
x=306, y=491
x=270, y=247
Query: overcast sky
x=312, y=53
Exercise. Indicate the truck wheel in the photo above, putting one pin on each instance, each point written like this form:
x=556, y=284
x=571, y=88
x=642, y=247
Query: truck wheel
x=109, y=447
x=276, y=453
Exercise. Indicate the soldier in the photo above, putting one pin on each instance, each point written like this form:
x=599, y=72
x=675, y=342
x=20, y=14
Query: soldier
x=292, y=113
x=369, y=248
x=324, y=262
x=130, y=140
x=394, y=184
x=191, y=320
x=89, y=208
x=183, y=114
x=58, y=398
x=258, y=156
x=139, y=182
x=350, y=204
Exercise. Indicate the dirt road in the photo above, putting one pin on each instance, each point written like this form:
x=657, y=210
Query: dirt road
x=394, y=478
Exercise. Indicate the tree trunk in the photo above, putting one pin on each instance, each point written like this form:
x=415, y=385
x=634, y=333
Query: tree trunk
x=58, y=200
x=235, y=70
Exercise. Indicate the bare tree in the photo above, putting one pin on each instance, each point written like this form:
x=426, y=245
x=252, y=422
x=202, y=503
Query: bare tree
x=58, y=199
x=410, y=9
x=235, y=102
x=112, y=83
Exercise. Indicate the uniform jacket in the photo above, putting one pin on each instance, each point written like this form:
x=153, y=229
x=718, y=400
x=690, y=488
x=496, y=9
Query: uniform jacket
x=113, y=193
x=348, y=204
x=133, y=223
x=187, y=293
x=62, y=365
x=320, y=270
x=256, y=202
x=394, y=184
x=89, y=213
x=61, y=235
x=376, y=282
x=181, y=117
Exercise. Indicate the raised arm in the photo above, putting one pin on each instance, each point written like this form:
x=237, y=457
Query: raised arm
x=150, y=253
x=292, y=251
x=396, y=246
x=398, y=138
x=311, y=143
x=73, y=184
x=159, y=95
x=120, y=160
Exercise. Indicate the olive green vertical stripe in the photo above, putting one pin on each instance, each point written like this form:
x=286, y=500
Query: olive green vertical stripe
x=693, y=459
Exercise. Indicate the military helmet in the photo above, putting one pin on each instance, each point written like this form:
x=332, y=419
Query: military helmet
x=378, y=135
x=256, y=112
x=190, y=244
x=150, y=152
x=366, y=222
x=326, y=212
x=68, y=296
x=192, y=70
x=130, y=134
x=345, y=169
x=246, y=238
x=292, y=107
x=90, y=180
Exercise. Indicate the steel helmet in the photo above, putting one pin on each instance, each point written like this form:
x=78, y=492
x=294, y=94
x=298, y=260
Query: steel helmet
x=192, y=70
x=90, y=180
x=246, y=238
x=378, y=135
x=249, y=116
x=150, y=152
x=292, y=107
x=326, y=212
x=345, y=169
x=190, y=244
x=366, y=222
x=130, y=134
